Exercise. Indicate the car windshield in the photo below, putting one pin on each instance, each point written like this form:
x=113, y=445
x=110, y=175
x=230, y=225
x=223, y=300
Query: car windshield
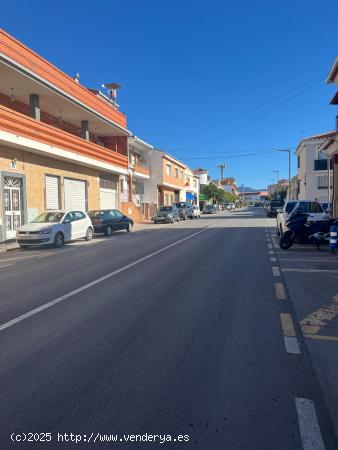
x=53, y=217
x=101, y=214
x=165, y=208
x=290, y=206
x=180, y=205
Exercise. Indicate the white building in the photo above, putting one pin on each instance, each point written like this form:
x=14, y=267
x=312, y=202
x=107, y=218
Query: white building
x=313, y=173
x=192, y=186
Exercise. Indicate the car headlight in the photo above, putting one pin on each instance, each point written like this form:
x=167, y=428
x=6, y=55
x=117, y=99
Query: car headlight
x=45, y=231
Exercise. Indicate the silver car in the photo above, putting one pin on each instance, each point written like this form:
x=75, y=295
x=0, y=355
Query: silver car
x=167, y=214
x=55, y=228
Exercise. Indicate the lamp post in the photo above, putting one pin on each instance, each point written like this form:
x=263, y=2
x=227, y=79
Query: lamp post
x=276, y=172
x=288, y=150
x=273, y=182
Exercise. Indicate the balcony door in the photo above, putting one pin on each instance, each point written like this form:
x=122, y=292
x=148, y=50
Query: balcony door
x=12, y=205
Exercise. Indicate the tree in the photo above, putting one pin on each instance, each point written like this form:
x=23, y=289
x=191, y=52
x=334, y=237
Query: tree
x=211, y=192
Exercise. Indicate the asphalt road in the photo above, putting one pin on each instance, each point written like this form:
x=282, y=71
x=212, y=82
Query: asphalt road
x=172, y=330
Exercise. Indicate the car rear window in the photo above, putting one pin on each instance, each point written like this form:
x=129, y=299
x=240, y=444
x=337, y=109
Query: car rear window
x=290, y=206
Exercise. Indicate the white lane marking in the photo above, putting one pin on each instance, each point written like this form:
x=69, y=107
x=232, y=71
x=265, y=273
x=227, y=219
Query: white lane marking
x=310, y=433
x=273, y=259
x=270, y=246
x=275, y=271
x=6, y=265
x=280, y=291
x=97, y=281
x=27, y=257
x=309, y=260
x=291, y=345
x=271, y=252
x=311, y=270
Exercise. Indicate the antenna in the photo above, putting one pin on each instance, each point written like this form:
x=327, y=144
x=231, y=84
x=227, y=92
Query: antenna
x=222, y=167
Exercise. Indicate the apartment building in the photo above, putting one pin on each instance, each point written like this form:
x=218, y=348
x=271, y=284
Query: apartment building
x=167, y=178
x=330, y=145
x=314, y=174
x=191, y=186
x=61, y=144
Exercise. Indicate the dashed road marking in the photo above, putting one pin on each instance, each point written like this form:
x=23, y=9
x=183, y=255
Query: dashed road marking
x=275, y=271
x=308, y=425
x=270, y=246
x=271, y=252
x=273, y=259
x=287, y=325
x=280, y=291
x=291, y=345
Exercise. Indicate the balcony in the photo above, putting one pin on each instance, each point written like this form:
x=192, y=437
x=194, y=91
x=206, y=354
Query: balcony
x=14, y=51
x=20, y=125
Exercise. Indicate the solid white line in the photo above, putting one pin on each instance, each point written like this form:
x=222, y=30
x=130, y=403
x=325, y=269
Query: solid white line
x=273, y=259
x=311, y=270
x=309, y=260
x=308, y=425
x=291, y=345
x=271, y=252
x=95, y=282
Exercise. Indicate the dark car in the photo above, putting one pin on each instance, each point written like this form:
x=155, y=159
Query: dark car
x=271, y=210
x=185, y=210
x=108, y=220
x=167, y=214
x=209, y=209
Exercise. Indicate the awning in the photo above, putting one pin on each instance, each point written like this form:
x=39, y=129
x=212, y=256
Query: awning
x=190, y=196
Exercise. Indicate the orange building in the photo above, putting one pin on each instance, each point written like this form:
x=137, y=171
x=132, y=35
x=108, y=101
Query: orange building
x=61, y=144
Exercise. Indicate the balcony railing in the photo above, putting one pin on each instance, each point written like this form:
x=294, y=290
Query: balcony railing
x=24, y=56
x=142, y=169
x=24, y=126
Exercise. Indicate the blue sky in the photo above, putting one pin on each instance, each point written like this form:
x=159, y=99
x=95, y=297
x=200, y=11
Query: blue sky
x=207, y=80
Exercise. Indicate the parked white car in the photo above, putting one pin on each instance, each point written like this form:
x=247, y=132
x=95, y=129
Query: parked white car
x=196, y=211
x=55, y=228
x=231, y=206
x=314, y=209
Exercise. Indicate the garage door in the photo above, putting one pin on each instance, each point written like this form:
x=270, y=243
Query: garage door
x=108, y=191
x=52, y=192
x=107, y=198
x=75, y=194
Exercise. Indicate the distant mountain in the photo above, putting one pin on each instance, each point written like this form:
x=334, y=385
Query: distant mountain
x=249, y=189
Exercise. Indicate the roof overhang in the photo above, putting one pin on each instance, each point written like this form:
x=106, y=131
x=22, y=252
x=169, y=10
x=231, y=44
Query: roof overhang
x=333, y=75
x=53, y=99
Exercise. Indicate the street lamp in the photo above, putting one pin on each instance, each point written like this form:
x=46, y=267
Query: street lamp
x=277, y=172
x=288, y=150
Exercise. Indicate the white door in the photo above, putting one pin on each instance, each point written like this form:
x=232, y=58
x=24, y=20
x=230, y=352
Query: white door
x=52, y=186
x=107, y=198
x=12, y=205
x=75, y=194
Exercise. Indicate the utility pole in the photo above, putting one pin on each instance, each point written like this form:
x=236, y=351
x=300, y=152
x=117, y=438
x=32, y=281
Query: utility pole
x=288, y=150
x=277, y=173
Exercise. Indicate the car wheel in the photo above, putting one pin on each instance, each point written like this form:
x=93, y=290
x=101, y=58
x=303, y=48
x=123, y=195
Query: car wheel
x=59, y=240
x=129, y=227
x=287, y=240
x=109, y=231
x=173, y=220
x=89, y=234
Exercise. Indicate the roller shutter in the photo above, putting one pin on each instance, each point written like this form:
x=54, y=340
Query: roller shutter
x=75, y=194
x=52, y=192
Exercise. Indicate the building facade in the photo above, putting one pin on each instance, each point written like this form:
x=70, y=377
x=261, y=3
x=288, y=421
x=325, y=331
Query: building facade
x=167, y=178
x=330, y=145
x=62, y=146
x=192, y=189
x=314, y=172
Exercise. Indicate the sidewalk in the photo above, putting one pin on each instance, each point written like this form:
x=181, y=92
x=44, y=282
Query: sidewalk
x=7, y=246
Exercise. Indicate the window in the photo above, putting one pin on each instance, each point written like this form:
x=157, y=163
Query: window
x=195, y=183
x=303, y=207
x=322, y=182
x=172, y=198
x=166, y=199
x=298, y=162
x=168, y=169
x=68, y=218
x=182, y=175
x=315, y=208
x=78, y=215
x=176, y=172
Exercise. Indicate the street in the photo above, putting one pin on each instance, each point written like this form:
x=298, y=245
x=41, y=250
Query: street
x=175, y=330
